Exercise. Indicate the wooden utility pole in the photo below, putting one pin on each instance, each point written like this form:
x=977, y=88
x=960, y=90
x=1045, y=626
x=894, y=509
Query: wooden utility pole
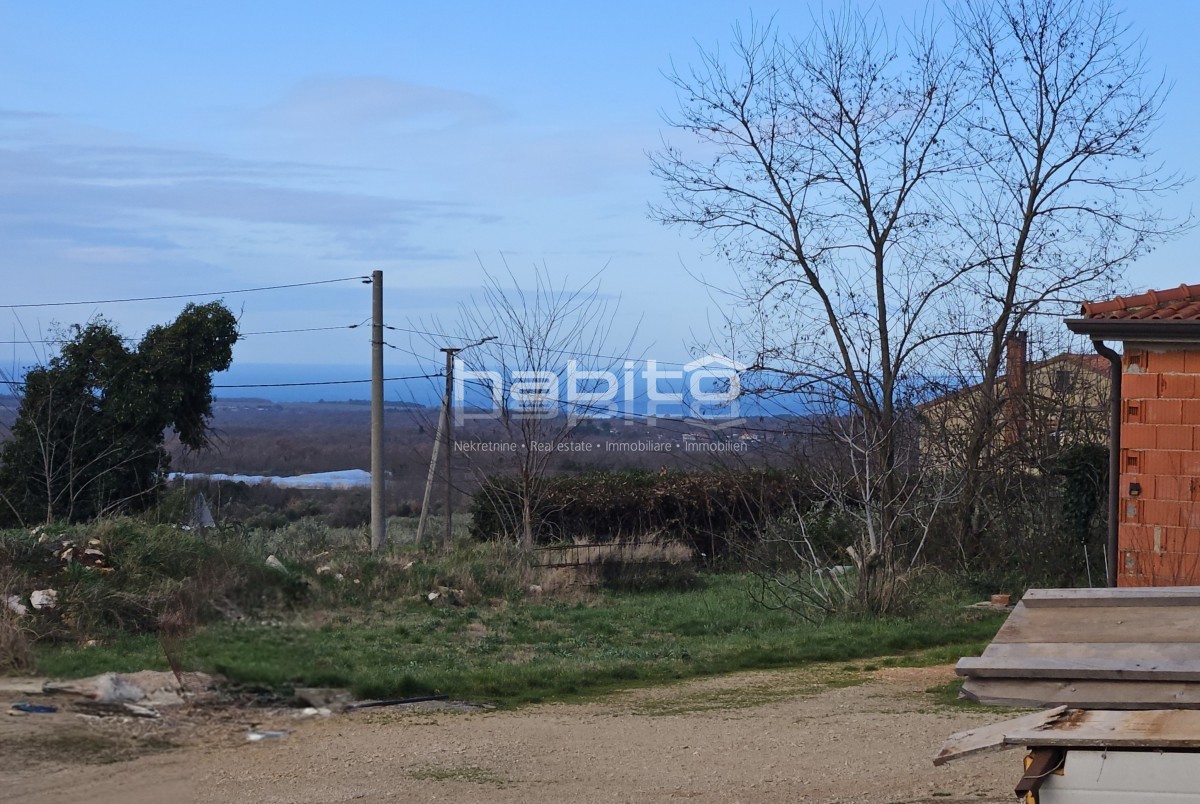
x=378, y=513
x=433, y=461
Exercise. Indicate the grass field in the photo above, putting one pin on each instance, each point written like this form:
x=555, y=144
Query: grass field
x=517, y=651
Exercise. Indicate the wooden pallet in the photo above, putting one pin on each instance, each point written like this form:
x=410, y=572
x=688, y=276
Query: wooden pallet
x=1136, y=648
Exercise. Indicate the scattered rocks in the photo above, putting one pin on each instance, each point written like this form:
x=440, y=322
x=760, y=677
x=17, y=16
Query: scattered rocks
x=43, y=598
x=16, y=606
x=444, y=596
x=334, y=698
x=148, y=688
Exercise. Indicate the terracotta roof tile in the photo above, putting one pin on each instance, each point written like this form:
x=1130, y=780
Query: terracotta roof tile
x=1174, y=304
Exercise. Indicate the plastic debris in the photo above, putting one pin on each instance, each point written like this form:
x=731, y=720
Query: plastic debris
x=43, y=598
x=259, y=736
x=141, y=711
x=397, y=702
x=275, y=563
x=33, y=709
x=325, y=569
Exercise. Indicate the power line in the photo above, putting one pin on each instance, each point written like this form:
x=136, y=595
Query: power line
x=519, y=346
x=327, y=382
x=240, y=335
x=182, y=295
x=427, y=332
x=301, y=329
x=609, y=410
x=128, y=339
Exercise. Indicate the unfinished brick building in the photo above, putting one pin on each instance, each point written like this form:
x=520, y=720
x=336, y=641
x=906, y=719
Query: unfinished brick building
x=1154, y=489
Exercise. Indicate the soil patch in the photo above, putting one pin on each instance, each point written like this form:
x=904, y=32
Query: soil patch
x=823, y=734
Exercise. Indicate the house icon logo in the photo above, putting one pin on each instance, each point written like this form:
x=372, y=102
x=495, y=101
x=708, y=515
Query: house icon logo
x=714, y=385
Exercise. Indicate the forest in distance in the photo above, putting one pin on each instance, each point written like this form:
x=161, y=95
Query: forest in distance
x=255, y=436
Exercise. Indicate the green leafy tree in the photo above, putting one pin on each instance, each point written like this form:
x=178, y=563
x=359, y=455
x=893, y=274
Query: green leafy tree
x=88, y=438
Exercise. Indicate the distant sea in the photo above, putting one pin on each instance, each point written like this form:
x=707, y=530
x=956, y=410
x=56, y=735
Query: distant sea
x=282, y=382
x=285, y=383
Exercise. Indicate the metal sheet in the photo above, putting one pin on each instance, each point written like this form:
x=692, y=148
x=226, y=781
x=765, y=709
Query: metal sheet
x=1129, y=777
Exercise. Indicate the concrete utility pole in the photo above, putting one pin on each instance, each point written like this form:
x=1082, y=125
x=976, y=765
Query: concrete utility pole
x=378, y=514
x=448, y=434
x=433, y=461
x=444, y=440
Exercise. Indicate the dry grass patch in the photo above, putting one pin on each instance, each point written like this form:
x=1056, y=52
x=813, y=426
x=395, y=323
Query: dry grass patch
x=80, y=745
x=745, y=692
x=16, y=655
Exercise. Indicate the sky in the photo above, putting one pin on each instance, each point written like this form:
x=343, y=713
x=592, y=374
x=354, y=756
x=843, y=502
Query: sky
x=151, y=149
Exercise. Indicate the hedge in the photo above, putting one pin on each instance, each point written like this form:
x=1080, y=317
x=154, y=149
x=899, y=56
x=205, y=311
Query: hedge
x=700, y=508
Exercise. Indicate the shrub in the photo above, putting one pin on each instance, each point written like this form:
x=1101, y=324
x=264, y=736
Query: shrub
x=15, y=653
x=701, y=509
x=124, y=575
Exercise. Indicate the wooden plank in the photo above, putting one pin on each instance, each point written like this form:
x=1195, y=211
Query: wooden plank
x=992, y=736
x=1154, y=728
x=1188, y=652
x=1077, y=668
x=1130, y=596
x=1083, y=694
x=1100, y=624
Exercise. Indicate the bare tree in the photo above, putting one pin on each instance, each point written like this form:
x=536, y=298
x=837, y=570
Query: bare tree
x=821, y=181
x=537, y=379
x=895, y=205
x=1059, y=185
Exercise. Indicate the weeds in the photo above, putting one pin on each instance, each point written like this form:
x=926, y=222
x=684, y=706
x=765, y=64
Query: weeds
x=330, y=613
x=16, y=655
x=531, y=650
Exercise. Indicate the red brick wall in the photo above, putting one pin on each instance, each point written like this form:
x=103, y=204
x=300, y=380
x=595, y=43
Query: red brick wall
x=1160, y=453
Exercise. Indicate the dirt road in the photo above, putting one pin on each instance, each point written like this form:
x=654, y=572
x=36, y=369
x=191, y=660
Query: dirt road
x=785, y=736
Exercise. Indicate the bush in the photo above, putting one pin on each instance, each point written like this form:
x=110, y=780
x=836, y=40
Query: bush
x=648, y=567
x=127, y=576
x=265, y=505
x=1034, y=529
x=701, y=509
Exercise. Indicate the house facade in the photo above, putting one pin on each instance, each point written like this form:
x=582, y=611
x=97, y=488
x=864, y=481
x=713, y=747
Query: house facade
x=1154, y=505
x=1044, y=405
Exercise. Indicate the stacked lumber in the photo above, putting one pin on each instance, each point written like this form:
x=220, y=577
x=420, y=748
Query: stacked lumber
x=1113, y=649
x=1157, y=729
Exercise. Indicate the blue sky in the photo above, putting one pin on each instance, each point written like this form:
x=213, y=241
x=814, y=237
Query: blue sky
x=158, y=148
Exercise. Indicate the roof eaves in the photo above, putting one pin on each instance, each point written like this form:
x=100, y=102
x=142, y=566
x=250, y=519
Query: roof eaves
x=1157, y=330
x=1151, y=298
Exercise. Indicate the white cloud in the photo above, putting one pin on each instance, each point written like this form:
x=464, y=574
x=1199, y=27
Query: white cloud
x=325, y=107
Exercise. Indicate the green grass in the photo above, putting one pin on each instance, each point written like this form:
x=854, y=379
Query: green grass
x=947, y=695
x=525, y=651
x=472, y=775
